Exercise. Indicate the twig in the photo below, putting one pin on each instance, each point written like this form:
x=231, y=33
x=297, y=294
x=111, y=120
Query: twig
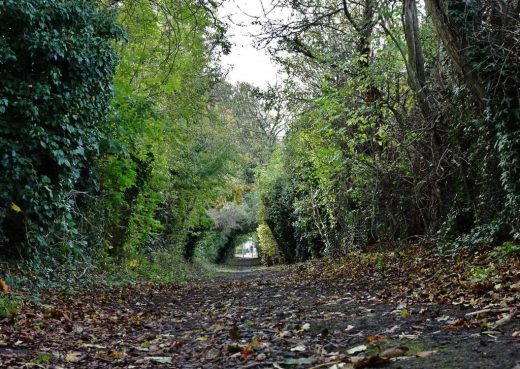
x=505, y=319
x=487, y=311
x=258, y=363
x=326, y=364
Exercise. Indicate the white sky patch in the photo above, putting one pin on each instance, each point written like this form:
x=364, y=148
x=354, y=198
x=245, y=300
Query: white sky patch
x=247, y=63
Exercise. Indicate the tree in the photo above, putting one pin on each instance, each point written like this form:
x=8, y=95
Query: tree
x=481, y=38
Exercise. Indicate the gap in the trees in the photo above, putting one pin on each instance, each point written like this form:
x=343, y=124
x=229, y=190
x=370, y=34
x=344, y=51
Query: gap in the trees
x=246, y=250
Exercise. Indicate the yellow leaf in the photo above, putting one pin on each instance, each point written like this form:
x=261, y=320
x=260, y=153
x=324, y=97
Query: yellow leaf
x=15, y=208
x=133, y=263
x=405, y=313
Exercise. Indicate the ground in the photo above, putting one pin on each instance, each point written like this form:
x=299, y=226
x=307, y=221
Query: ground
x=314, y=315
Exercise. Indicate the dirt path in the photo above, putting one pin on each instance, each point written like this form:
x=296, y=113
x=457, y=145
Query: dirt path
x=254, y=319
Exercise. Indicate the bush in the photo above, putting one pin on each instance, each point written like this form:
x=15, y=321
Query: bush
x=56, y=68
x=269, y=249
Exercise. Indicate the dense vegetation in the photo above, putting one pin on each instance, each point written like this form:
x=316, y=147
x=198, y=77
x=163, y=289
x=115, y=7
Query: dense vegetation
x=115, y=142
x=406, y=125
x=121, y=141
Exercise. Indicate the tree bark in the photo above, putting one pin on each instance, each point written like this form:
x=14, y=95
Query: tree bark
x=415, y=62
x=456, y=47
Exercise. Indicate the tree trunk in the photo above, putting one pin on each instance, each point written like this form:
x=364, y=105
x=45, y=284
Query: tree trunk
x=456, y=47
x=415, y=63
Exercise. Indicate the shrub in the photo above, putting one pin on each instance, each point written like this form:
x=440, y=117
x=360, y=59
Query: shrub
x=56, y=68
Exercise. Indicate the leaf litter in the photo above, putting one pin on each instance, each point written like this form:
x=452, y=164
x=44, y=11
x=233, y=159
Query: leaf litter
x=347, y=313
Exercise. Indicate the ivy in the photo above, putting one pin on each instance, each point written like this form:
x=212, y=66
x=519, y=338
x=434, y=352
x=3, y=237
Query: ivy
x=57, y=63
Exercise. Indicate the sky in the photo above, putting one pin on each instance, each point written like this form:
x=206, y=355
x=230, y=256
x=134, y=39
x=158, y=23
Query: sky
x=247, y=64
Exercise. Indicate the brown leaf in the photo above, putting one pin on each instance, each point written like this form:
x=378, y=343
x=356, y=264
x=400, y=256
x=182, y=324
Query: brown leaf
x=319, y=302
x=4, y=287
x=424, y=353
x=363, y=362
x=247, y=351
x=376, y=338
x=459, y=323
x=394, y=352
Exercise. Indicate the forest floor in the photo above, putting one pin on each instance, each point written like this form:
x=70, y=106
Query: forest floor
x=382, y=309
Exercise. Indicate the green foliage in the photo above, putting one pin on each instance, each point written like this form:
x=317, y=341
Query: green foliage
x=506, y=250
x=163, y=267
x=208, y=248
x=385, y=142
x=269, y=250
x=57, y=63
x=481, y=274
x=125, y=182
x=138, y=155
x=9, y=304
x=165, y=155
x=277, y=194
x=497, y=76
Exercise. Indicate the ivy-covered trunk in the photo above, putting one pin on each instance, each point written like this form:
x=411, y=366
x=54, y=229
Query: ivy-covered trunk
x=481, y=38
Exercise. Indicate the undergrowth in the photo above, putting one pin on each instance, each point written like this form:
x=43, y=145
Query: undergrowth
x=30, y=278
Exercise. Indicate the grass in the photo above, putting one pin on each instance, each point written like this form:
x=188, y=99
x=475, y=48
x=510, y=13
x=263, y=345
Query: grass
x=9, y=304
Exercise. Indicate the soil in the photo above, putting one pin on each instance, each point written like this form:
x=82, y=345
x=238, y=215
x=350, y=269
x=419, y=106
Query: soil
x=254, y=317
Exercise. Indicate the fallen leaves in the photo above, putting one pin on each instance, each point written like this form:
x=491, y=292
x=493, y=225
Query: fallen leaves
x=298, y=361
x=376, y=359
x=319, y=302
x=376, y=338
x=505, y=319
x=394, y=352
x=214, y=353
x=356, y=322
x=299, y=348
x=247, y=351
